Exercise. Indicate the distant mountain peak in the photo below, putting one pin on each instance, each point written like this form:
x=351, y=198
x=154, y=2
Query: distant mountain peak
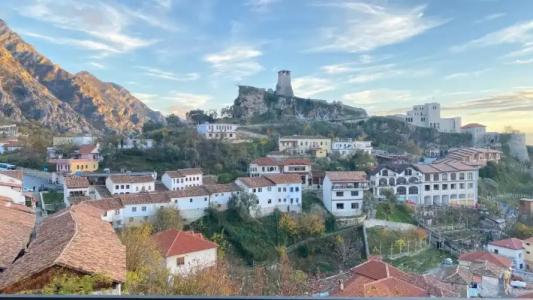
x=89, y=103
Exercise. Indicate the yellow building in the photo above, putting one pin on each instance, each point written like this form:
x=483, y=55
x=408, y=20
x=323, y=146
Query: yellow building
x=73, y=165
x=528, y=253
x=301, y=145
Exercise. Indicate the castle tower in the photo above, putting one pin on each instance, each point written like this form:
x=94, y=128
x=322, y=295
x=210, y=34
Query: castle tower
x=283, y=87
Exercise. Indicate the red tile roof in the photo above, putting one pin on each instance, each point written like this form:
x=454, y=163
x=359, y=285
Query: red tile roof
x=255, y=182
x=143, y=198
x=87, y=149
x=393, y=287
x=131, y=178
x=16, y=226
x=172, y=242
x=473, y=125
x=270, y=180
x=512, y=243
x=75, y=238
x=107, y=204
x=193, y=191
x=76, y=182
x=284, y=178
x=351, y=176
x=480, y=256
x=17, y=174
x=184, y=172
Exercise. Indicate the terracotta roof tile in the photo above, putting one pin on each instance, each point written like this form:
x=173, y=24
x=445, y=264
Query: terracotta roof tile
x=143, y=198
x=347, y=176
x=131, y=178
x=87, y=149
x=75, y=238
x=284, y=178
x=76, y=182
x=188, y=192
x=107, y=203
x=17, y=174
x=473, y=125
x=512, y=243
x=488, y=257
x=172, y=242
x=393, y=287
x=16, y=226
x=184, y=172
x=255, y=182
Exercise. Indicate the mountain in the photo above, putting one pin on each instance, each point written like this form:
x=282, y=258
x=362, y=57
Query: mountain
x=34, y=88
x=253, y=102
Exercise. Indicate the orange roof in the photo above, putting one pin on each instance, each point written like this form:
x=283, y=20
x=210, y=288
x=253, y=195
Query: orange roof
x=16, y=226
x=172, y=242
x=184, y=172
x=393, y=287
x=125, y=178
x=76, y=182
x=346, y=176
x=270, y=180
x=480, y=256
x=17, y=174
x=512, y=243
x=473, y=125
x=87, y=149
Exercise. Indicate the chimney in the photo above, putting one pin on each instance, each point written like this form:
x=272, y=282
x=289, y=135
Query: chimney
x=283, y=87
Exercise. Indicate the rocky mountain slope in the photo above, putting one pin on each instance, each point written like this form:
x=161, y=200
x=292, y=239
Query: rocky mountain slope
x=34, y=88
x=258, y=102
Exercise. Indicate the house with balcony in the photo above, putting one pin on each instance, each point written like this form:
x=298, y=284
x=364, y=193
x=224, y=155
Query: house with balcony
x=182, y=178
x=348, y=147
x=74, y=165
x=305, y=145
x=222, y=131
x=75, y=189
x=343, y=193
x=472, y=156
x=511, y=248
x=270, y=165
x=90, y=151
x=130, y=184
x=401, y=179
x=274, y=191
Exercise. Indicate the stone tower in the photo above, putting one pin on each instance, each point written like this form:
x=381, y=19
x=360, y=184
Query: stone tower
x=283, y=87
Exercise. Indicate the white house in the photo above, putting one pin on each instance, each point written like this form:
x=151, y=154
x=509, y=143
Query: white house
x=136, y=143
x=428, y=115
x=511, y=248
x=301, y=145
x=11, y=186
x=271, y=165
x=402, y=179
x=274, y=191
x=182, y=178
x=185, y=252
x=451, y=183
x=130, y=184
x=347, y=147
x=477, y=131
x=74, y=187
x=89, y=151
x=220, y=194
x=218, y=130
x=343, y=192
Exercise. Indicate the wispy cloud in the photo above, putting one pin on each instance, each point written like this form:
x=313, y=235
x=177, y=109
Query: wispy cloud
x=84, y=44
x=461, y=75
x=97, y=65
x=235, y=62
x=260, y=6
x=490, y=17
x=158, y=73
x=368, y=26
x=386, y=71
x=510, y=102
x=522, y=62
x=181, y=102
x=308, y=86
x=518, y=34
x=373, y=99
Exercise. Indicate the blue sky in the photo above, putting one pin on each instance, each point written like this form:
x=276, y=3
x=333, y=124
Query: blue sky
x=473, y=56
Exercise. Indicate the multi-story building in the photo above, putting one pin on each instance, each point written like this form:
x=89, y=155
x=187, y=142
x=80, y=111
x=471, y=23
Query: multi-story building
x=347, y=147
x=343, y=192
x=274, y=191
x=74, y=165
x=270, y=165
x=182, y=178
x=74, y=187
x=477, y=131
x=9, y=130
x=90, y=151
x=11, y=186
x=528, y=253
x=511, y=248
x=402, y=179
x=428, y=115
x=185, y=252
x=302, y=145
x=136, y=143
x=129, y=184
x=218, y=130
x=472, y=156
x=452, y=183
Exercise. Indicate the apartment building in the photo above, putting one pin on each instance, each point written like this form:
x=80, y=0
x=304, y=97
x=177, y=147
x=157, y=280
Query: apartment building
x=347, y=147
x=472, y=156
x=402, y=179
x=224, y=131
x=274, y=191
x=305, y=145
x=129, y=184
x=428, y=115
x=182, y=178
x=343, y=192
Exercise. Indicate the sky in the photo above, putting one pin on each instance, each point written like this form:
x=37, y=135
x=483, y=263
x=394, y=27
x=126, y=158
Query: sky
x=475, y=57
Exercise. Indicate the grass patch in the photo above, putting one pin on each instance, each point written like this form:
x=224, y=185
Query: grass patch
x=53, y=201
x=422, y=262
x=386, y=242
x=396, y=212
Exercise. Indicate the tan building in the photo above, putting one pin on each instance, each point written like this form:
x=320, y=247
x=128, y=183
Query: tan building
x=74, y=165
x=301, y=145
x=473, y=156
x=528, y=253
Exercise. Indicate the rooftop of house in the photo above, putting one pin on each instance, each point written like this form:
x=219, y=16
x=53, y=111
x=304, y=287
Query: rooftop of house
x=16, y=225
x=480, y=256
x=172, y=242
x=184, y=172
x=270, y=180
x=17, y=174
x=193, y=191
x=88, y=149
x=512, y=243
x=397, y=168
x=473, y=125
x=452, y=166
x=270, y=161
x=131, y=178
x=76, y=182
x=75, y=238
x=347, y=176
x=303, y=137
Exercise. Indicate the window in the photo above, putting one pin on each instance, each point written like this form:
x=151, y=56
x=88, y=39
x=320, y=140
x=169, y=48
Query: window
x=496, y=251
x=260, y=190
x=279, y=200
x=134, y=209
x=461, y=186
x=427, y=187
x=355, y=205
x=291, y=189
x=127, y=186
x=444, y=187
x=254, y=190
x=117, y=211
x=444, y=176
x=470, y=185
x=436, y=187
x=121, y=186
x=339, y=194
x=453, y=186
x=340, y=205
x=470, y=176
x=143, y=208
x=297, y=189
x=269, y=201
x=435, y=177
x=116, y=187
x=180, y=261
x=461, y=176
x=454, y=176
x=279, y=190
x=190, y=200
x=355, y=193
x=427, y=177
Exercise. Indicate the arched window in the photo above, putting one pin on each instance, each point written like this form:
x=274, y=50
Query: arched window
x=413, y=190
x=401, y=181
x=391, y=181
x=401, y=190
x=413, y=179
x=383, y=182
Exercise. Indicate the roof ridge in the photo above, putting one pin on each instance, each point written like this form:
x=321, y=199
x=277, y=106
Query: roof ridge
x=71, y=238
x=173, y=241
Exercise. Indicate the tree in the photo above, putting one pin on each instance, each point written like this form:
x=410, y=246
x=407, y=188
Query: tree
x=173, y=120
x=199, y=116
x=289, y=282
x=289, y=225
x=341, y=249
x=243, y=204
x=215, y=281
x=67, y=284
x=312, y=224
x=167, y=218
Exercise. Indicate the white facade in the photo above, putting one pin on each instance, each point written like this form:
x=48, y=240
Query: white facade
x=301, y=145
x=76, y=140
x=477, y=131
x=428, y=115
x=268, y=165
x=218, y=130
x=11, y=187
x=516, y=256
x=347, y=147
x=452, y=187
x=182, y=179
x=343, y=195
x=403, y=180
x=135, y=143
x=127, y=184
x=189, y=263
